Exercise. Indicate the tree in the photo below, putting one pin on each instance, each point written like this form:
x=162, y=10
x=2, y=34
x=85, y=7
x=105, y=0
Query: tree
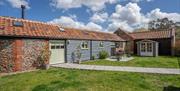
x=161, y=24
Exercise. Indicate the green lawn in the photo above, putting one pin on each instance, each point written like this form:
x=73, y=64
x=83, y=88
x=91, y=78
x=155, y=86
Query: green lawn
x=57, y=79
x=158, y=62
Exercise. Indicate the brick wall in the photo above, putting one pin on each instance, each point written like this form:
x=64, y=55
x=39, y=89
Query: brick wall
x=21, y=54
x=7, y=61
x=32, y=50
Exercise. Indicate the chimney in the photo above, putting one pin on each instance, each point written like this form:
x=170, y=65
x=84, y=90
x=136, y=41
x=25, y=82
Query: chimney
x=23, y=7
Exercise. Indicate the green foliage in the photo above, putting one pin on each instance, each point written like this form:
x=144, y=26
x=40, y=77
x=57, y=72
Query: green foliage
x=78, y=54
x=177, y=32
x=158, y=62
x=44, y=57
x=103, y=54
x=177, y=50
x=10, y=67
x=93, y=57
x=58, y=79
x=161, y=24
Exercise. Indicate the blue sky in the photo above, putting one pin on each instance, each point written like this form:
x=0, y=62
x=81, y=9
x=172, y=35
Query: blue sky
x=104, y=15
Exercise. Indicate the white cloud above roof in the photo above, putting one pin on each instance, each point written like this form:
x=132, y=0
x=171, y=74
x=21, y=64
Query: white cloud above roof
x=18, y=3
x=99, y=17
x=156, y=13
x=69, y=22
x=93, y=26
x=127, y=17
x=94, y=5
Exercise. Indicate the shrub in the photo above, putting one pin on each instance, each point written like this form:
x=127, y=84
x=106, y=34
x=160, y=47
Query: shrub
x=177, y=49
x=103, y=54
x=92, y=57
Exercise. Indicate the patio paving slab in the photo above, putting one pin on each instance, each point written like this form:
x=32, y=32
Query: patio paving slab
x=119, y=68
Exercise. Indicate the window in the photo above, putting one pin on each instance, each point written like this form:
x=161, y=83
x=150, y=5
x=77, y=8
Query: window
x=143, y=47
x=101, y=44
x=57, y=46
x=53, y=47
x=84, y=45
x=17, y=24
x=62, y=46
x=149, y=47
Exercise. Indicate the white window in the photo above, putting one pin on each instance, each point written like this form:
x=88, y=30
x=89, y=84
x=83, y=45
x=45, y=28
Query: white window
x=143, y=47
x=101, y=44
x=149, y=47
x=84, y=45
x=57, y=45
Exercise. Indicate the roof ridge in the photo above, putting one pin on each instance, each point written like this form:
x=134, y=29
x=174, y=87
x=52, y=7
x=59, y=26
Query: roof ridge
x=148, y=31
x=26, y=20
x=78, y=29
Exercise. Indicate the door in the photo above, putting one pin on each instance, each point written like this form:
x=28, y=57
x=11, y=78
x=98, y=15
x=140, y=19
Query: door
x=146, y=48
x=57, y=52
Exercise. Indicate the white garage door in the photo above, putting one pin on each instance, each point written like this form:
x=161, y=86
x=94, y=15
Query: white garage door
x=57, y=52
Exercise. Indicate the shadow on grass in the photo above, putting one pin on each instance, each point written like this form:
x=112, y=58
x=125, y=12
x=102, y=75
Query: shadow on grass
x=58, y=85
x=171, y=88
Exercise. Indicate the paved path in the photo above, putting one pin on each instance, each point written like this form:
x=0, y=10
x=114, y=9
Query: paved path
x=119, y=68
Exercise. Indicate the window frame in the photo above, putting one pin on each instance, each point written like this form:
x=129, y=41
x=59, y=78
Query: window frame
x=149, y=47
x=101, y=44
x=143, y=47
x=84, y=45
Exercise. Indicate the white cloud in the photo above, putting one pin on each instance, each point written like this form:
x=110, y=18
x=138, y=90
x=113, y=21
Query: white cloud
x=69, y=22
x=123, y=25
x=99, y=17
x=94, y=5
x=156, y=13
x=129, y=13
x=141, y=0
x=18, y=3
x=93, y=26
x=129, y=17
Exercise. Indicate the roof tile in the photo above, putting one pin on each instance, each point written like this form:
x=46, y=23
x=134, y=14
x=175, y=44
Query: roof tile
x=43, y=30
x=151, y=34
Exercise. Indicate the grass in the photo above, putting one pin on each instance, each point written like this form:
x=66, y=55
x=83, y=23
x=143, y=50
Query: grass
x=57, y=79
x=158, y=62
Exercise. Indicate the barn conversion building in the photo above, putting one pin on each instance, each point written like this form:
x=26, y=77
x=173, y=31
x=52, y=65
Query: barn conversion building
x=24, y=42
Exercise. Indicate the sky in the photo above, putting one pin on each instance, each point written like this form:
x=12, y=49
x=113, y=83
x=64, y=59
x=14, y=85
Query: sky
x=97, y=15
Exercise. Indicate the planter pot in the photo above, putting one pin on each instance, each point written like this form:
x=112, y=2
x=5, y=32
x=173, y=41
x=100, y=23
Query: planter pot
x=128, y=55
x=118, y=58
x=79, y=61
x=45, y=66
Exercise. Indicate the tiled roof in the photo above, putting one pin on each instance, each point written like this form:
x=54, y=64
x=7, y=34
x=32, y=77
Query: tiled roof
x=34, y=29
x=152, y=34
